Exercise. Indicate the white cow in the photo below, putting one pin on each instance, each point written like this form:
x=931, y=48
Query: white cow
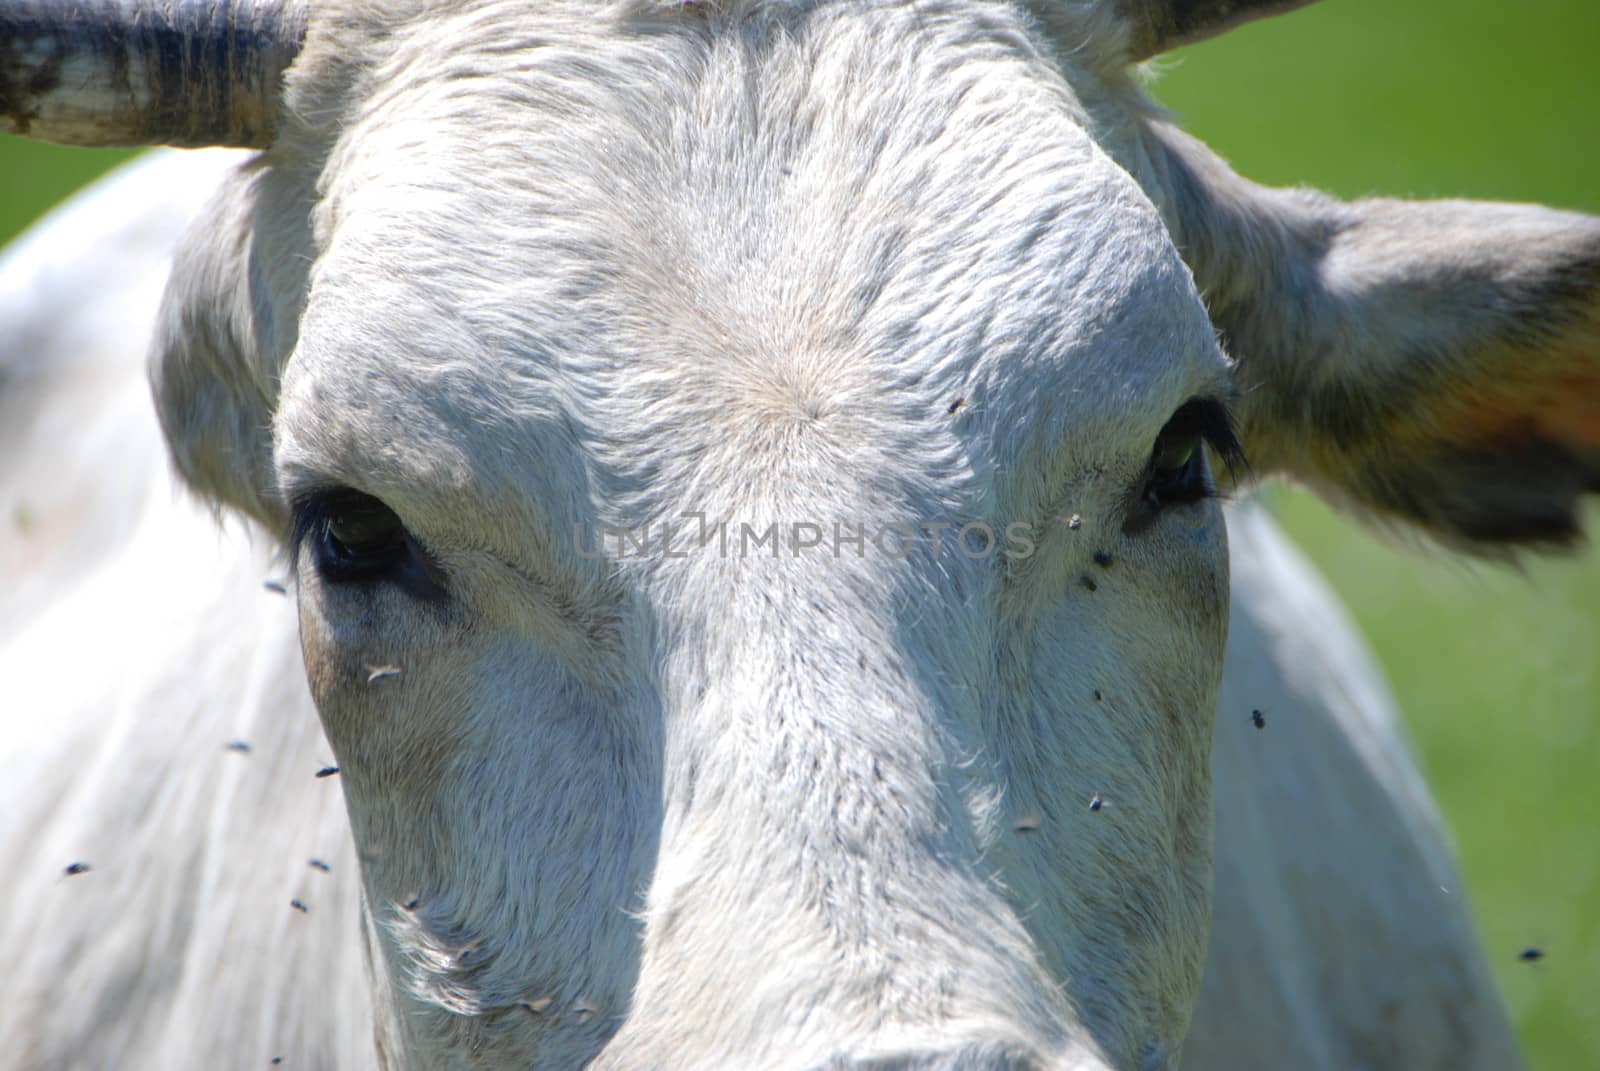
x=508, y=273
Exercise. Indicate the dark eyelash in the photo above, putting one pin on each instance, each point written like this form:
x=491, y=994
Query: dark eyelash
x=311, y=510
x=1213, y=422
x=306, y=514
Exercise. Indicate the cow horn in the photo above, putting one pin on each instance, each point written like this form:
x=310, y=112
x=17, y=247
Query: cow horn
x=1162, y=25
x=146, y=72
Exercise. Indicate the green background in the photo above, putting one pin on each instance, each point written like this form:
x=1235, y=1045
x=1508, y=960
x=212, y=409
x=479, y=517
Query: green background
x=1495, y=670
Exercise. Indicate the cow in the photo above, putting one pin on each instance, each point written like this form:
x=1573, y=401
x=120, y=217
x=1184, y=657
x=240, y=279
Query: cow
x=748, y=474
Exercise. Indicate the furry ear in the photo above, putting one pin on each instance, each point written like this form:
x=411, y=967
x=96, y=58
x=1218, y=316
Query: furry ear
x=218, y=351
x=1436, y=362
x=1157, y=26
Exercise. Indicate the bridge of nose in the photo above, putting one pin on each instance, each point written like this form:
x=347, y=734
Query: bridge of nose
x=820, y=877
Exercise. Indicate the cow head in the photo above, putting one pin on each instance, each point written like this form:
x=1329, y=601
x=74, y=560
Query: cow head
x=746, y=471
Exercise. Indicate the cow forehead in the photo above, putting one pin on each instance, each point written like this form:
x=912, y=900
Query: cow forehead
x=726, y=237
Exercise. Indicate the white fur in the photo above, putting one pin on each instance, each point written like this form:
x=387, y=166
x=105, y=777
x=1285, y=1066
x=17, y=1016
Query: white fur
x=693, y=307
x=516, y=274
x=275, y=979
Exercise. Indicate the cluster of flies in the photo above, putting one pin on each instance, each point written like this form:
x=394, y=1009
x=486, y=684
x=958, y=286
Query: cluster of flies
x=1028, y=823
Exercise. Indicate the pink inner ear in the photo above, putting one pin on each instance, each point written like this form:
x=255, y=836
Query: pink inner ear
x=1570, y=408
x=1554, y=396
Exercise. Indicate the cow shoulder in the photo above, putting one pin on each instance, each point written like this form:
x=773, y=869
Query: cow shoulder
x=1340, y=930
x=138, y=644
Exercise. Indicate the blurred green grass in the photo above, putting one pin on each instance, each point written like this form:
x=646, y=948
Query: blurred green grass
x=34, y=176
x=1496, y=670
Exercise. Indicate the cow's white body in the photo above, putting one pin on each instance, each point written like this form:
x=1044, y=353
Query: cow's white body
x=146, y=643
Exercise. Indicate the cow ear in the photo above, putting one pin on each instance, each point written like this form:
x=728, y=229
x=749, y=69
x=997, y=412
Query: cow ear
x=1433, y=362
x=217, y=355
x=1157, y=26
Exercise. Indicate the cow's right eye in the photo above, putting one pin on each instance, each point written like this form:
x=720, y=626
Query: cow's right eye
x=1177, y=467
x=354, y=538
x=1176, y=473
x=360, y=536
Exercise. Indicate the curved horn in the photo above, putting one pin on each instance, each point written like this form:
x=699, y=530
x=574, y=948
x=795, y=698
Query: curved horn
x=1162, y=25
x=146, y=72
